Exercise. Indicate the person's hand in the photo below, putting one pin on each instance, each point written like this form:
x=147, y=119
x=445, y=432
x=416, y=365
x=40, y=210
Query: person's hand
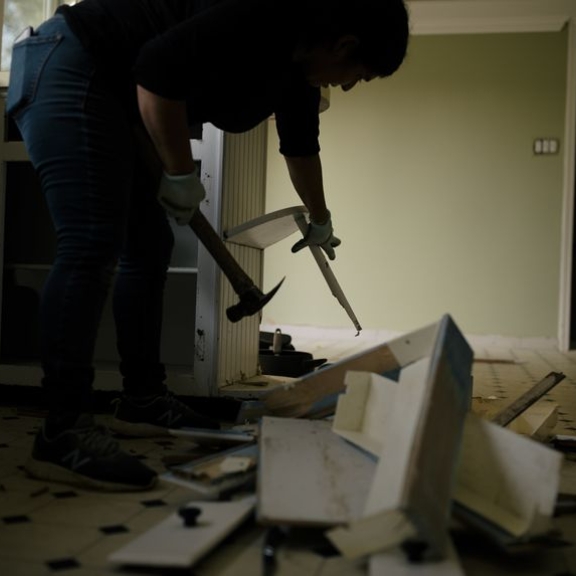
x=181, y=195
x=319, y=235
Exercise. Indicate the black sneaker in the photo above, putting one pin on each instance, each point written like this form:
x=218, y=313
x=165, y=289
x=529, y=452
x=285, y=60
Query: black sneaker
x=156, y=416
x=87, y=456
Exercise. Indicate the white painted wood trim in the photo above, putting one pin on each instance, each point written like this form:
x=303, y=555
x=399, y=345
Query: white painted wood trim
x=567, y=227
x=210, y=150
x=489, y=16
x=309, y=476
x=506, y=479
x=171, y=544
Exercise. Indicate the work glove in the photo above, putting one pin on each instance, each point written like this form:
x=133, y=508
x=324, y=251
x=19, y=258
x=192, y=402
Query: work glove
x=181, y=195
x=319, y=235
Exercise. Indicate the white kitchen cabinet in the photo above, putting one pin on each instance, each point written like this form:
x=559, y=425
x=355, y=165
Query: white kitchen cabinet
x=201, y=348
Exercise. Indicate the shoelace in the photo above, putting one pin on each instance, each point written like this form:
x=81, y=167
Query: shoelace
x=97, y=439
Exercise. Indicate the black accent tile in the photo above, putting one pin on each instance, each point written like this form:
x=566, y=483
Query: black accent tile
x=65, y=494
x=63, y=564
x=116, y=529
x=19, y=519
x=153, y=503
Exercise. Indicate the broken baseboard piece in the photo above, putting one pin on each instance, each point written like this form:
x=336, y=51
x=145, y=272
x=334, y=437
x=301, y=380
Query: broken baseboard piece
x=420, y=442
x=315, y=395
x=537, y=422
x=309, y=476
x=521, y=404
x=172, y=544
x=210, y=478
x=204, y=437
x=506, y=484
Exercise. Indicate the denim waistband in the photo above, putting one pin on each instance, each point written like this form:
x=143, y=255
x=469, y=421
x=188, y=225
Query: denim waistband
x=56, y=23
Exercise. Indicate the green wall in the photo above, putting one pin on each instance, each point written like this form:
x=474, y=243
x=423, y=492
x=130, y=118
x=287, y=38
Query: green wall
x=436, y=193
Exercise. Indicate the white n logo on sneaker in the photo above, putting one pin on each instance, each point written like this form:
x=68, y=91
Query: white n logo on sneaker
x=170, y=418
x=75, y=460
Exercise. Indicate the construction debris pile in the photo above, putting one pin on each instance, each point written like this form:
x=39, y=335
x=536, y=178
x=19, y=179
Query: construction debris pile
x=381, y=453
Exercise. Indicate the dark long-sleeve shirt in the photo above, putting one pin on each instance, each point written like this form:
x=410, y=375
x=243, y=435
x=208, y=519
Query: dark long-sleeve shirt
x=230, y=60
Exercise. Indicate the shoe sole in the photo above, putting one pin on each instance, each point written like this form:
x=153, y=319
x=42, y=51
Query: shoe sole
x=137, y=429
x=43, y=470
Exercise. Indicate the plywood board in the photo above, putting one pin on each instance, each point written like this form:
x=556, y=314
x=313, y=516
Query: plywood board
x=308, y=475
x=172, y=544
x=420, y=447
x=315, y=395
x=506, y=479
x=267, y=229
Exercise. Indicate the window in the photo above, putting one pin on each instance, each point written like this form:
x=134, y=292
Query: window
x=16, y=15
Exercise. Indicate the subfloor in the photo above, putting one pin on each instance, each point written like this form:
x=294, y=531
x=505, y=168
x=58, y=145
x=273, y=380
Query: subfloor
x=49, y=528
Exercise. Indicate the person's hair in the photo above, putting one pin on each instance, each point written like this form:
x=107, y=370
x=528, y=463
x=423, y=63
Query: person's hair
x=382, y=27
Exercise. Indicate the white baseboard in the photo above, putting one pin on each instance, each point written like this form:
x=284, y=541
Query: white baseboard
x=477, y=342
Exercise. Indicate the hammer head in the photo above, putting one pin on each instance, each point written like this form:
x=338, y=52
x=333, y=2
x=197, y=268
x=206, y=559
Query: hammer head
x=251, y=301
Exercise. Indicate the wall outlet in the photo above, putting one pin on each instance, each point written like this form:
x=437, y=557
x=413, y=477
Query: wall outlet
x=546, y=146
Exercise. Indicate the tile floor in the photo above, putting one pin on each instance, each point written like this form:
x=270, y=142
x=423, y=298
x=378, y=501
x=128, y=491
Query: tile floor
x=50, y=529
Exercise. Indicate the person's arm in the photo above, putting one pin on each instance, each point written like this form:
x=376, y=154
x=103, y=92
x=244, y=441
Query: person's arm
x=166, y=122
x=306, y=176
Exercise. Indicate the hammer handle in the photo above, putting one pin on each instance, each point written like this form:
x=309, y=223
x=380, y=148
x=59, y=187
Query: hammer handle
x=239, y=280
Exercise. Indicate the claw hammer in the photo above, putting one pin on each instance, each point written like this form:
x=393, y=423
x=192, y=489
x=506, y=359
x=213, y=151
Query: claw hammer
x=252, y=299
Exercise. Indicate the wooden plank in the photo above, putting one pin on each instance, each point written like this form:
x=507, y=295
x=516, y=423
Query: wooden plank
x=308, y=475
x=538, y=421
x=315, y=395
x=394, y=563
x=267, y=229
x=524, y=402
x=506, y=483
x=171, y=544
x=420, y=448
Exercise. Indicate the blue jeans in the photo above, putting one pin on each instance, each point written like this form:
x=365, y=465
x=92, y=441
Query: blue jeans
x=79, y=135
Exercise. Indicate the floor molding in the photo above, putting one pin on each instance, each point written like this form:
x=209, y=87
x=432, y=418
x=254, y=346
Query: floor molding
x=371, y=336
